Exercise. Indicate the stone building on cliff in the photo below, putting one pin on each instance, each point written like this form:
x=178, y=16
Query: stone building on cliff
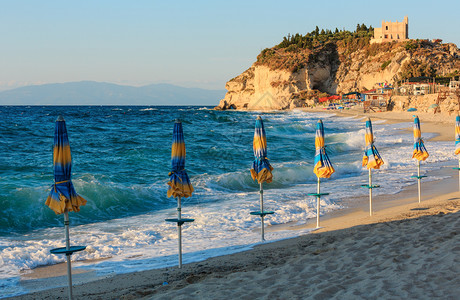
x=392, y=31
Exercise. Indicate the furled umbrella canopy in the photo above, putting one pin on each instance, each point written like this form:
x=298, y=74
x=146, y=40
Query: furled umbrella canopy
x=323, y=167
x=457, y=135
x=63, y=195
x=179, y=182
x=371, y=158
x=261, y=168
x=420, y=152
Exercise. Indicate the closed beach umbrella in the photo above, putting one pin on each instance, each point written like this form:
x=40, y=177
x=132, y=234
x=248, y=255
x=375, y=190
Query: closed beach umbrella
x=63, y=197
x=261, y=168
x=419, y=152
x=457, y=135
x=457, y=144
x=323, y=167
x=179, y=182
x=371, y=159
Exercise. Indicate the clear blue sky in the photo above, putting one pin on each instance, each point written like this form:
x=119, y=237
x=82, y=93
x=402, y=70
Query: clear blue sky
x=188, y=43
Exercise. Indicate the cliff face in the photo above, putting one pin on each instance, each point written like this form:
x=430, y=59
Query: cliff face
x=287, y=80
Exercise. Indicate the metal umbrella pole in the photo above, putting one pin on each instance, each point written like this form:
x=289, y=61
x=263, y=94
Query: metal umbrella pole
x=459, y=173
x=261, y=191
x=418, y=178
x=179, y=229
x=68, y=253
x=318, y=202
x=370, y=192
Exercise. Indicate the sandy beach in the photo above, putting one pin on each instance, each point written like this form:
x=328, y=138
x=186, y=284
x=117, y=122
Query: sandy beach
x=406, y=250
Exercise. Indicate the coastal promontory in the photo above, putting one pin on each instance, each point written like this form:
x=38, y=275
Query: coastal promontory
x=304, y=67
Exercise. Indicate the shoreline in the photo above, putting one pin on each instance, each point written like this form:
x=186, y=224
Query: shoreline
x=142, y=283
x=432, y=123
x=354, y=226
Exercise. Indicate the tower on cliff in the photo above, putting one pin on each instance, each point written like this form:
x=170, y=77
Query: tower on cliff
x=392, y=31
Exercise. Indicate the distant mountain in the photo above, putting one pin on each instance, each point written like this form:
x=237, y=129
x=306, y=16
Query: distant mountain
x=101, y=93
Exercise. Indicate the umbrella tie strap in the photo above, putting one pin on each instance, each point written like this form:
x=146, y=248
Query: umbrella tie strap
x=175, y=172
x=323, y=150
x=262, y=158
x=59, y=182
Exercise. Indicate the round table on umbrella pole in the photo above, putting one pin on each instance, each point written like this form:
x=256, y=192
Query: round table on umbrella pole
x=370, y=186
x=68, y=251
x=318, y=195
x=419, y=177
x=458, y=173
x=179, y=222
x=262, y=213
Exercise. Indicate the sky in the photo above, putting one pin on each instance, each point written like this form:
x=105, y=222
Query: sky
x=187, y=43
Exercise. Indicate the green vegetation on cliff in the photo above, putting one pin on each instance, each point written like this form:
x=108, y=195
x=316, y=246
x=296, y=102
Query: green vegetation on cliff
x=317, y=38
x=298, y=51
x=295, y=51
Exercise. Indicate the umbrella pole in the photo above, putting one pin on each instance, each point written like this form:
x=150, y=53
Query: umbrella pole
x=459, y=173
x=317, y=203
x=370, y=192
x=262, y=211
x=418, y=177
x=67, y=246
x=179, y=230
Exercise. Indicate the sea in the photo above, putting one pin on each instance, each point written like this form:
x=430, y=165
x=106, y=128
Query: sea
x=121, y=159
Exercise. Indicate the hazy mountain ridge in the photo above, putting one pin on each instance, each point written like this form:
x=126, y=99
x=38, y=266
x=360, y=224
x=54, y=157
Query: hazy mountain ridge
x=102, y=93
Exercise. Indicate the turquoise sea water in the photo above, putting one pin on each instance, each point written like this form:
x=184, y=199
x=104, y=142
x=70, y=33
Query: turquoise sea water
x=121, y=160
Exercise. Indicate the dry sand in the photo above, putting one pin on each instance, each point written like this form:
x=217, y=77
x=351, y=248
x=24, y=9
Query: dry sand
x=441, y=124
x=405, y=250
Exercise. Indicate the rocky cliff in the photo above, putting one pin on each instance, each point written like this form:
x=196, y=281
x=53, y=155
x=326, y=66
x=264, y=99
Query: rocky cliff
x=284, y=78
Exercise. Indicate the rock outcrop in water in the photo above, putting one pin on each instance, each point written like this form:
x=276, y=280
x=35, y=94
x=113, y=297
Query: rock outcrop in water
x=284, y=78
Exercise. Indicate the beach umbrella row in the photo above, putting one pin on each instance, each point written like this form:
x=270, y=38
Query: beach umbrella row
x=63, y=197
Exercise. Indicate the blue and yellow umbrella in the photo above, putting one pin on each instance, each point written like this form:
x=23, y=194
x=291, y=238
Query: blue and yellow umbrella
x=419, y=153
x=179, y=182
x=457, y=145
x=261, y=168
x=371, y=159
x=63, y=196
x=457, y=135
x=323, y=167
